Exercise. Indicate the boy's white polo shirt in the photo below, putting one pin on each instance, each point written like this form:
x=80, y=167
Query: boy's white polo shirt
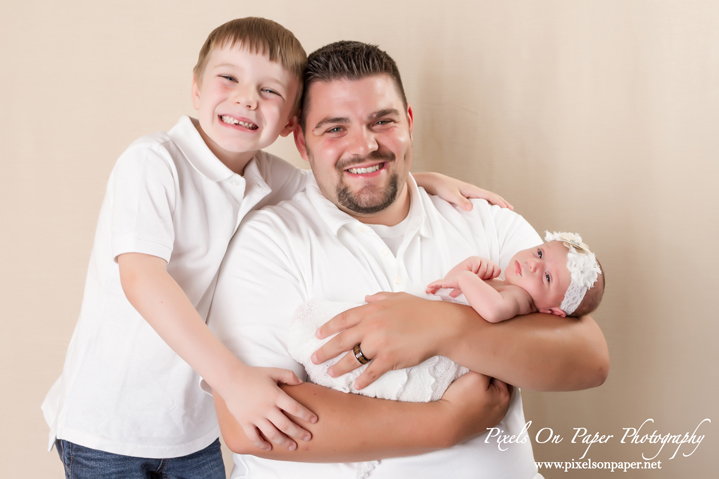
x=123, y=390
x=307, y=248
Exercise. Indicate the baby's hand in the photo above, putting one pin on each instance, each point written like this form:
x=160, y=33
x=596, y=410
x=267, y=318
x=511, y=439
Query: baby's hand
x=474, y=265
x=435, y=286
x=486, y=269
x=262, y=408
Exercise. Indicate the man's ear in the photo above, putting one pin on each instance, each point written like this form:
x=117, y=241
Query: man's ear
x=195, y=93
x=554, y=311
x=410, y=120
x=300, y=142
x=289, y=127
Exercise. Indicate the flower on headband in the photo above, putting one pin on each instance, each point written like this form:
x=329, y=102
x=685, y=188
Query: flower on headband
x=569, y=239
x=582, y=265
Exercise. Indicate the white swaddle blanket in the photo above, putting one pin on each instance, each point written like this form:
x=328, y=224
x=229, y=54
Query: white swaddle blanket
x=422, y=383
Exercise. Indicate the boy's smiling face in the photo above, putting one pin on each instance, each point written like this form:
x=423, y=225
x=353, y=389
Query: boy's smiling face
x=244, y=103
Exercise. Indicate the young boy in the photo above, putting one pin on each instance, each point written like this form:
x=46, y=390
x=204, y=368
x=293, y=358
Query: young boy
x=128, y=403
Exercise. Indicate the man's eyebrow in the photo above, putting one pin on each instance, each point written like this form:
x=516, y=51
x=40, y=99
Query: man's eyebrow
x=386, y=112
x=339, y=119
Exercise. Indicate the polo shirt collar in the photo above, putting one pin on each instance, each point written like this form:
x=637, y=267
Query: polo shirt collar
x=336, y=218
x=190, y=142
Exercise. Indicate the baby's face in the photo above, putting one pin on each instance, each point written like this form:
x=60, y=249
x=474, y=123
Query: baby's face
x=542, y=272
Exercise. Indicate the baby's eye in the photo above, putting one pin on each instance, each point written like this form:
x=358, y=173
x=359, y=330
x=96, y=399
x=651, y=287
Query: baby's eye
x=228, y=77
x=268, y=90
x=540, y=253
x=546, y=276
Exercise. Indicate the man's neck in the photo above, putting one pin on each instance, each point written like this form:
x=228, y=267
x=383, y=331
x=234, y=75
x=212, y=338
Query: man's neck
x=390, y=216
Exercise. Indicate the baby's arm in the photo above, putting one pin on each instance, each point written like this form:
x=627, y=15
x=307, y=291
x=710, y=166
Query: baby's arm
x=492, y=304
x=469, y=277
x=480, y=267
x=253, y=394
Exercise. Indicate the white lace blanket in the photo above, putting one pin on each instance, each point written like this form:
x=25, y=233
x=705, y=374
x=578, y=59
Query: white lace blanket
x=422, y=383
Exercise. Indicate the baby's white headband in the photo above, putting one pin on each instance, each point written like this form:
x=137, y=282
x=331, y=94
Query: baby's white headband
x=582, y=265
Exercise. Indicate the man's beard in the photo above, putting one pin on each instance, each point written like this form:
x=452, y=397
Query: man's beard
x=369, y=202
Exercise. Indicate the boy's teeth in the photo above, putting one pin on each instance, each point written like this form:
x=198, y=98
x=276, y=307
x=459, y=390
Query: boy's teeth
x=234, y=121
x=362, y=171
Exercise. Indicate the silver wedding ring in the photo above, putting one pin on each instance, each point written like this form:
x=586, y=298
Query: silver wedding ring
x=358, y=354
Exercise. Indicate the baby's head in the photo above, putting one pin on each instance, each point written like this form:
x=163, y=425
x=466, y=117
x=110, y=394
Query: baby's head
x=246, y=86
x=562, y=276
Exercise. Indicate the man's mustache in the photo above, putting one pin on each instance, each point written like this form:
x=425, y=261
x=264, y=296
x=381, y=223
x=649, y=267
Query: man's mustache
x=358, y=160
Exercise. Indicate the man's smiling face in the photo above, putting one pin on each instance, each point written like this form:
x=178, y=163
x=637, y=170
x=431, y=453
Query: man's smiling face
x=358, y=140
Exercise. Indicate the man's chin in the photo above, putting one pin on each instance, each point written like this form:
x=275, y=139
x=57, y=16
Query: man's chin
x=367, y=202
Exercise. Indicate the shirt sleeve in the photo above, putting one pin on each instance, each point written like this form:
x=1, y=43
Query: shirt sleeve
x=286, y=180
x=257, y=293
x=514, y=234
x=143, y=190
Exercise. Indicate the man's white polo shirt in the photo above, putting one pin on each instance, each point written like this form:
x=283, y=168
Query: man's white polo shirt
x=123, y=390
x=307, y=248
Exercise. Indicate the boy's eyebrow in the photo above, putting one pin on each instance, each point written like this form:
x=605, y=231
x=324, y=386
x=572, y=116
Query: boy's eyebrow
x=225, y=65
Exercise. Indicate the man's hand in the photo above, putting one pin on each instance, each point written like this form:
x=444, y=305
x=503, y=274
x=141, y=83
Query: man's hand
x=476, y=402
x=261, y=407
x=395, y=331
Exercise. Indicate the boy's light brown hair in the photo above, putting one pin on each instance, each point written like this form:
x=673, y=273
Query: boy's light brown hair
x=258, y=35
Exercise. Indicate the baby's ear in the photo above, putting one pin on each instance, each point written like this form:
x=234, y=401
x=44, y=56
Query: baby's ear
x=554, y=311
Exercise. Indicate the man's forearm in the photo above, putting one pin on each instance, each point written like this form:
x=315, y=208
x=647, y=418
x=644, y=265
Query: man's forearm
x=535, y=351
x=357, y=428
x=351, y=428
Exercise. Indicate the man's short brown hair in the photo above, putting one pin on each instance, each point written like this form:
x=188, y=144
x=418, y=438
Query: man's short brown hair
x=348, y=60
x=258, y=35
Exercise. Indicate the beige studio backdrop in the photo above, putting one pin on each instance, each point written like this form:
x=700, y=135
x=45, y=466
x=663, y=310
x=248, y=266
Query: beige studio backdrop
x=592, y=116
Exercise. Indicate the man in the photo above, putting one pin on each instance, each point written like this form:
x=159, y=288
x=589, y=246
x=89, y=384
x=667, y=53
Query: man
x=366, y=227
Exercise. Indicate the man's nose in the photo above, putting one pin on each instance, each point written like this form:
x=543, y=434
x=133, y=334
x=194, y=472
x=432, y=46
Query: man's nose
x=362, y=142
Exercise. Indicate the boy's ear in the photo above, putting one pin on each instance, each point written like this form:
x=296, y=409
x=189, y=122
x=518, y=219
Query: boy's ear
x=554, y=311
x=300, y=143
x=289, y=127
x=195, y=93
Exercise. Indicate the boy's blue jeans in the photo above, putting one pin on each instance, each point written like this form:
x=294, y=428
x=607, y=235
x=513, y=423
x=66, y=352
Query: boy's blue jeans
x=84, y=463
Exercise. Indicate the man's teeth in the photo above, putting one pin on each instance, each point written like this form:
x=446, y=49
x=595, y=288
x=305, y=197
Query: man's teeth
x=234, y=121
x=362, y=171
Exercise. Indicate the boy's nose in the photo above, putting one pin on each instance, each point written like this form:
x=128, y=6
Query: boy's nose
x=246, y=98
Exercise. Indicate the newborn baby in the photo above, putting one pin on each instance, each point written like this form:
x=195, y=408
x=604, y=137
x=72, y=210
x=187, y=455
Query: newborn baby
x=552, y=278
x=559, y=277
